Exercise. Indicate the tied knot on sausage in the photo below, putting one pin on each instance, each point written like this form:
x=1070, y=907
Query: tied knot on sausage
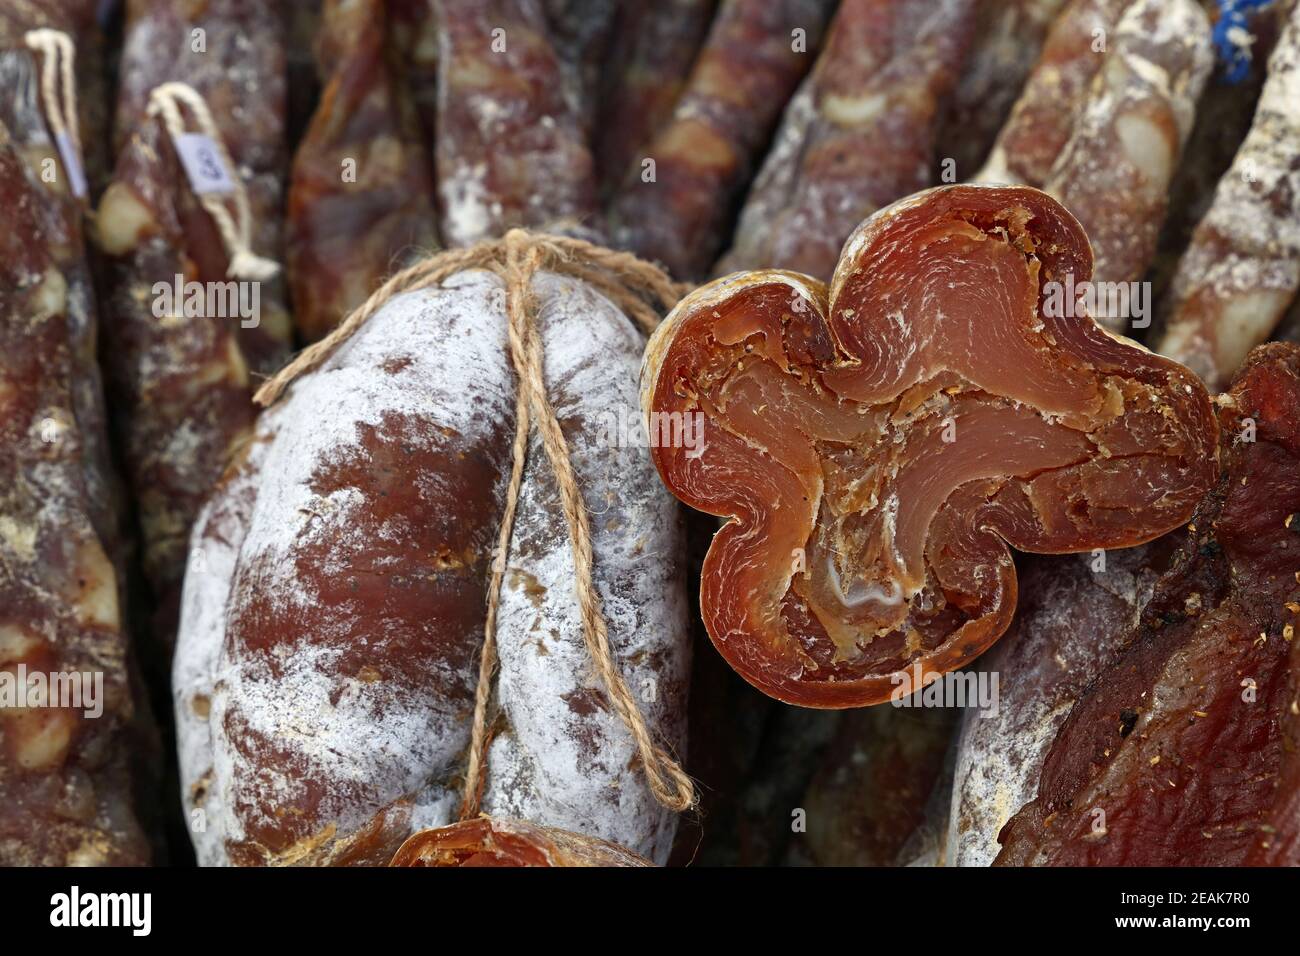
x=874, y=447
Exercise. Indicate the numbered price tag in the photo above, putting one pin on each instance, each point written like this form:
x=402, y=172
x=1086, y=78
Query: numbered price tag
x=71, y=165
x=203, y=165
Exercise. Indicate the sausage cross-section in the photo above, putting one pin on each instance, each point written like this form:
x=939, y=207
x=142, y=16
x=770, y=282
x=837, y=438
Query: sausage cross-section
x=876, y=446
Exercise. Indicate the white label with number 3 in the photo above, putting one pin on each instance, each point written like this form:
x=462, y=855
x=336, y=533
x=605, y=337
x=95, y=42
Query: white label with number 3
x=203, y=165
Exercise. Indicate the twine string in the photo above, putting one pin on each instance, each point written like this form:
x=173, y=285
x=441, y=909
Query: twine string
x=58, y=55
x=236, y=231
x=636, y=287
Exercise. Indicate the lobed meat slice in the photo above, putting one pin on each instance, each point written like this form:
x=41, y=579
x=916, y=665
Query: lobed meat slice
x=1182, y=751
x=495, y=842
x=876, y=447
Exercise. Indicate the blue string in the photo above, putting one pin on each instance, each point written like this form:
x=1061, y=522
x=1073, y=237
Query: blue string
x=1232, y=14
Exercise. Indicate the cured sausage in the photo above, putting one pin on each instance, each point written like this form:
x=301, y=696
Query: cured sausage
x=1007, y=39
x=345, y=568
x=755, y=56
x=361, y=190
x=511, y=147
x=1242, y=269
x=185, y=326
x=67, y=716
x=877, y=446
x=650, y=57
x=859, y=134
x=1044, y=115
x=1114, y=172
x=61, y=212
x=1179, y=752
x=1072, y=614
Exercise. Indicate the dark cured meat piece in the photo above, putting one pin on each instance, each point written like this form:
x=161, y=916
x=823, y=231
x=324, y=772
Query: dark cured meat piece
x=1071, y=616
x=707, y=152
x=650, y=58
x=65, y=772
x=1181, y=751
x=1279, y=838
x=1007, y=38
x=859, y=134
x=345, y=236
x=877, y=455
x=495, y=842
x=511, y=146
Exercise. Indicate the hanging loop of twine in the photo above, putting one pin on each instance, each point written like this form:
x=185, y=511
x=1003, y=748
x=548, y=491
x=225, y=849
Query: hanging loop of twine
x=236, y=231
x=639, y=289
x=58, y=55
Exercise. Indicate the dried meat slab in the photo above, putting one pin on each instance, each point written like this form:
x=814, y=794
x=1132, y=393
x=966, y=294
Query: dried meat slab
x=361, y=190
x=876, y=447
x=65, y=761
x=1182, y=751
